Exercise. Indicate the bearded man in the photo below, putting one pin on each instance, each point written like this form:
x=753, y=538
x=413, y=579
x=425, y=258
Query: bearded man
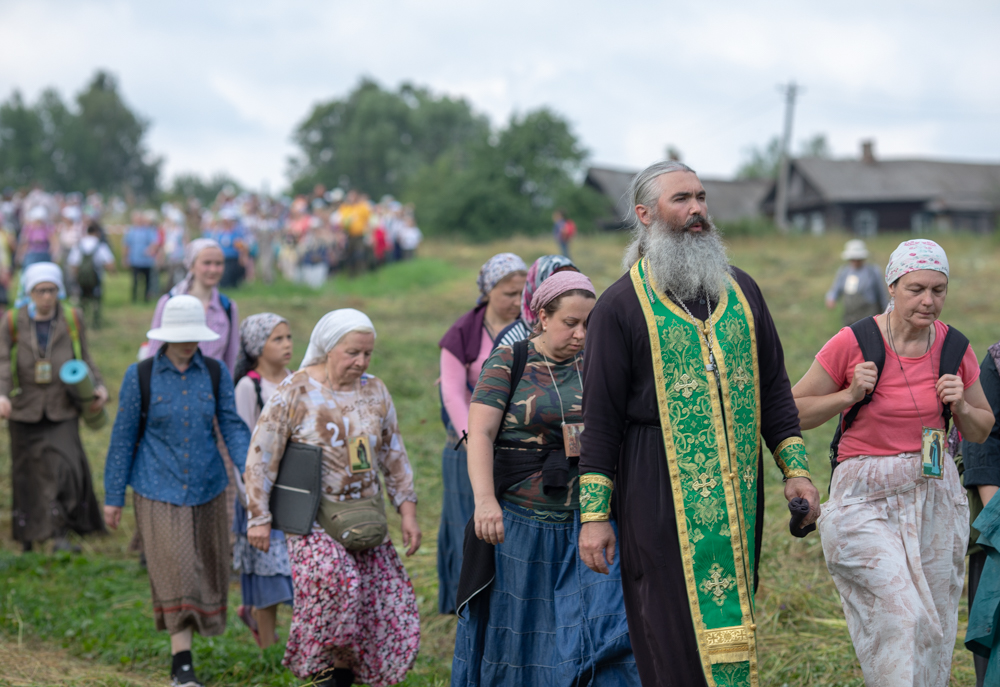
x=675, y=408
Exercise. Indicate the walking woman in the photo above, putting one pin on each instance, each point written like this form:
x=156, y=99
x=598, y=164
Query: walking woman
x=355, y=613
x=163, y=445
x=896, y=526
x=531, y=613
x=204, y=262
x=53, y=491
x=540, y=270
x=265, y=576
x=464, y=349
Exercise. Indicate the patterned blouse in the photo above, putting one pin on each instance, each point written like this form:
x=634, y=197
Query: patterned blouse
x=534, y=419
x=305, y=411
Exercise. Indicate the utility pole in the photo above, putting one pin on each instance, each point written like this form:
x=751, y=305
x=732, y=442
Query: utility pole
x=781, y=192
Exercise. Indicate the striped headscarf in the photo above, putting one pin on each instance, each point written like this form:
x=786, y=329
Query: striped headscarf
x=541, y=269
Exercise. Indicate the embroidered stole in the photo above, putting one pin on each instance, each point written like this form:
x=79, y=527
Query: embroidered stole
x=712, y=440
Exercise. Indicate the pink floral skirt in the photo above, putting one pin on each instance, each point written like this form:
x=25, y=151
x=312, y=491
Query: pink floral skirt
x=359, y=608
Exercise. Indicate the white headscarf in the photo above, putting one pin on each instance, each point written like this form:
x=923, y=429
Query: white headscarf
x=331, y=328
x=40, y=273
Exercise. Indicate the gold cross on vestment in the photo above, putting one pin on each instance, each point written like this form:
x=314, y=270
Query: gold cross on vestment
x=717, y=585
x=741, y=378
x=704, y=485
x=685, y=386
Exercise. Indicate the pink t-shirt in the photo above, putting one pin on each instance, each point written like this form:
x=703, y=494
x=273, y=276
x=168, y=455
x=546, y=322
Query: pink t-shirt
x=891, y=424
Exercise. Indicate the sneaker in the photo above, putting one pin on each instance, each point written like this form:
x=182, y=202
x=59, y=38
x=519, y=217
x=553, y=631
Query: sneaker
x=184, y=677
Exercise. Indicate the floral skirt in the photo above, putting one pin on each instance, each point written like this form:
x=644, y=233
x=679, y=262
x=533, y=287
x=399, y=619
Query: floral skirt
x=359, y=608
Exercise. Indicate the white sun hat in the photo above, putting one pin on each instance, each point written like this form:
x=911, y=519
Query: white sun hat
x=183, y=321
x=855, y=249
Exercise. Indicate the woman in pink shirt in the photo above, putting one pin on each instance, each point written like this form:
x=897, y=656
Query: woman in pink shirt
x=896, y=526
x=464, y=349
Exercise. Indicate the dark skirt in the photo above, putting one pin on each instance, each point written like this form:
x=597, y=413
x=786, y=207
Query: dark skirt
x=52, y=486
x=547, y=620
x=458, y=505
x=187, y=556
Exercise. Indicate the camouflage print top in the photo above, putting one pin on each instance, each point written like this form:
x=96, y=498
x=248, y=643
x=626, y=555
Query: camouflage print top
x=534, y=419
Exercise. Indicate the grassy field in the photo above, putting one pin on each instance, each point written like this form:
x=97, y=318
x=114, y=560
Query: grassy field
x=86, y=619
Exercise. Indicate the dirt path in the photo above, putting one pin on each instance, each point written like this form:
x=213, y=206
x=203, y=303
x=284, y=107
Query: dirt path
x=40, y=666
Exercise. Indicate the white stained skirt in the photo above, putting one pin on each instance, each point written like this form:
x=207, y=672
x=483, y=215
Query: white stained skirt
x=895, y=544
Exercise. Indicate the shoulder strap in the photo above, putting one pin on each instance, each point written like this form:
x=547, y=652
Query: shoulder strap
x=516, y=371
x=255, y=377
x=215, y=372
x=227, y=305
x=73, y=324
x=144, y=371
x=872, y=347
x=952, y=351
x=15, y=388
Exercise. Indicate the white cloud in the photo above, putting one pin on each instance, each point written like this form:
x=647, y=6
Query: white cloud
x=224, y=83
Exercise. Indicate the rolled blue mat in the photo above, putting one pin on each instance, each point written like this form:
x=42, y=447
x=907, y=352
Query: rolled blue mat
x=73, y=372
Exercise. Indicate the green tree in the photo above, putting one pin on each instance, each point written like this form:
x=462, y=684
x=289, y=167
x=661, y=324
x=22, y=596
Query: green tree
x=507, y=184
x=375, y=140
x=762, y=163
x=99, y=144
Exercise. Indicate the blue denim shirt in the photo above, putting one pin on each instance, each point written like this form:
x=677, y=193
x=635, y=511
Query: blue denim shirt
x=177, y=460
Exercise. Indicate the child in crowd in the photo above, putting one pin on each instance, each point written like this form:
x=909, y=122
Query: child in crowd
x=265, y=578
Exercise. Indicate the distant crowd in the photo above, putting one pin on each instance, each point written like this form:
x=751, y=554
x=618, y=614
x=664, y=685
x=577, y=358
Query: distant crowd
x=306, y=239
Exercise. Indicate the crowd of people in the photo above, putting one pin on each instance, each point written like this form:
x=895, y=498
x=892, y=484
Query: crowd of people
x=603, y=464
x=307, y=238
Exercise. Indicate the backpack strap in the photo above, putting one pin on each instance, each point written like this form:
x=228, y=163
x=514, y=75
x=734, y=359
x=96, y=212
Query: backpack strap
x=73, y=324
x=952, y=351
x=872, y=347
x=215, y=373
x=520, y=349
x=255, y=377
x=15, y=387
x=227, y=305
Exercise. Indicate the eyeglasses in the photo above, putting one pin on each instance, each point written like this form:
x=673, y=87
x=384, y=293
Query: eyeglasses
x=45, y=291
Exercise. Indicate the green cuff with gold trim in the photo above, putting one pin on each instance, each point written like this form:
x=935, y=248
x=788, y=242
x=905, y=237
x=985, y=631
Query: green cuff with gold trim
x=595, y=497
x=792, y=458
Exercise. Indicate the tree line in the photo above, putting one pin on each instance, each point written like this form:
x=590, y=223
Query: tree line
x=465, y=175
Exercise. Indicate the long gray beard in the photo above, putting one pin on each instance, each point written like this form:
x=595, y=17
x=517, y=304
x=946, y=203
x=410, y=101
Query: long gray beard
x=685, y=264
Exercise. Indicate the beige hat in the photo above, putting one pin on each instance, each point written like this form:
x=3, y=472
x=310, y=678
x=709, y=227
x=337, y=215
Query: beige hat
x=183, y=321
x=855, y=249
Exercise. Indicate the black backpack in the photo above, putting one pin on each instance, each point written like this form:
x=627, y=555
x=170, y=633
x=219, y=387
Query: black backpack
x=87, y=275
x=145, y=371
x=872, y=346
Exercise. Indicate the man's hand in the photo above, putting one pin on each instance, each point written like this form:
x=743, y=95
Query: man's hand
x=259, y=536
x=112, y=516
x=595, y=539
x=804, y=488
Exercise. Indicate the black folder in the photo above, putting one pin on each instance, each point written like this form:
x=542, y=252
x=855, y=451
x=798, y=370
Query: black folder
x=296, y=493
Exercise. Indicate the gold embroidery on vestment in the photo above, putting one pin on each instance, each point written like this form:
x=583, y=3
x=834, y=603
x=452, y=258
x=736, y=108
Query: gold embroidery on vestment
x=718, y=584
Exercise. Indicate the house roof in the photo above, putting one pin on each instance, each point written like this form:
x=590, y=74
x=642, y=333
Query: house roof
x=727, y=200
x=951, y=185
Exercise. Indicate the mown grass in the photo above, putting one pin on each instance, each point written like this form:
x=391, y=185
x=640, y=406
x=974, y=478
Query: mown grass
x=95, y=606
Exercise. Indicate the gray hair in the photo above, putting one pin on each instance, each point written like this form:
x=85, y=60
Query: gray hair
x=644, y=191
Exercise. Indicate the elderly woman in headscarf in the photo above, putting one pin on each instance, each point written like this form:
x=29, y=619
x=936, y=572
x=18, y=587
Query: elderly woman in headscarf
x=464, y=349
x=531, y=613
x=540, y=270
x=355, y=612
x=205, y=264
x=52, y=485
x=896, y=526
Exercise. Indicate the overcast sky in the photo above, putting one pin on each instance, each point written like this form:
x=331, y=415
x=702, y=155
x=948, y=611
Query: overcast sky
x=224, y=82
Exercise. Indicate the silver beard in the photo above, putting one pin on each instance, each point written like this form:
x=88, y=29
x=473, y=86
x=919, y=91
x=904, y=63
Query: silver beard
x=684, y=264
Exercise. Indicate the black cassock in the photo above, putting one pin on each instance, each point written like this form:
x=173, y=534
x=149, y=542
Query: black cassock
x=623, y=441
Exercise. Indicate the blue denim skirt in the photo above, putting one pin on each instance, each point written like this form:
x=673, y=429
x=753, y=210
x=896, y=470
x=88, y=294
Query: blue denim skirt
x=547, y=620
x=457, y=507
